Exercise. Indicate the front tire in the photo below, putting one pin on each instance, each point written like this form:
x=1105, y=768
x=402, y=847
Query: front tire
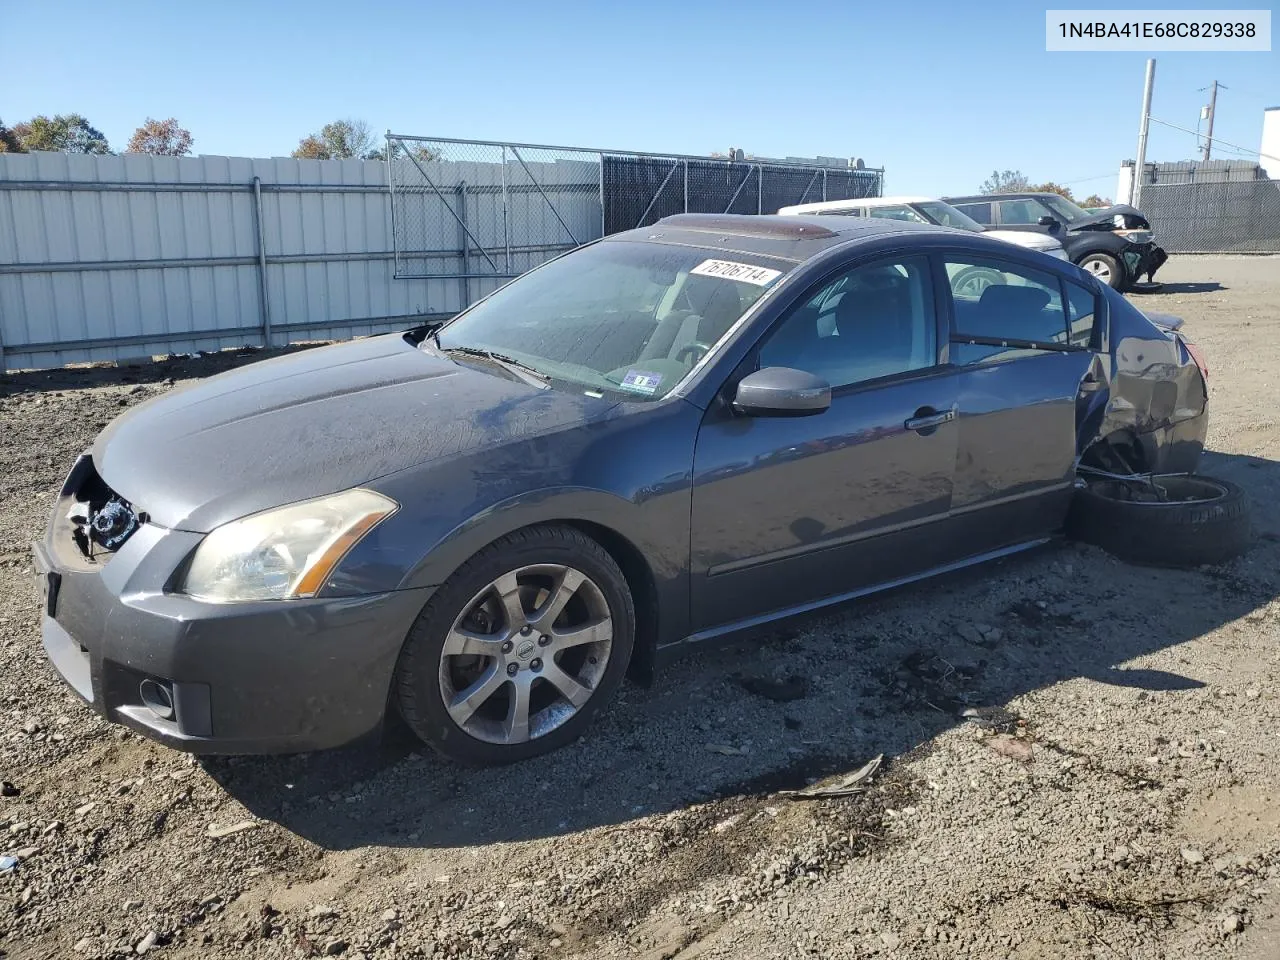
x=519, y=650
x=1106, y=268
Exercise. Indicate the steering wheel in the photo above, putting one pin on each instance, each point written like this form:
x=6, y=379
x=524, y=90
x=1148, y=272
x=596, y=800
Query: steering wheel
x=697, y=347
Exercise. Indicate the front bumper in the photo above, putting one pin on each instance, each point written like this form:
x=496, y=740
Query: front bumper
x=1143, y=259
x=264, y=677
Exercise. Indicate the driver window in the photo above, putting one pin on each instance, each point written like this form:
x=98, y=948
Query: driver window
x=873, y=321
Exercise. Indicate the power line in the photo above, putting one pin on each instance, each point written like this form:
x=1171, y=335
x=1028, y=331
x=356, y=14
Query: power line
x=1228, y=143
x=1100, y=176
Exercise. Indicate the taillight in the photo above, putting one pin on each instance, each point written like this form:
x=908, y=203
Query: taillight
x=1197, y=356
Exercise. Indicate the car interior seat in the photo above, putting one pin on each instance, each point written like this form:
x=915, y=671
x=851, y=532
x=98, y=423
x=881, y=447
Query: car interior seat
x=1008, y=310
x=876, y=331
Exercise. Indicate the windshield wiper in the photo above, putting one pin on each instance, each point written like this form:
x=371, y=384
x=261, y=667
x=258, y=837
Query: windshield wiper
x=530, y=375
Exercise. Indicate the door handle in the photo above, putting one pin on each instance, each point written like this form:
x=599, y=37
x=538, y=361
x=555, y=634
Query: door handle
x=924, y=420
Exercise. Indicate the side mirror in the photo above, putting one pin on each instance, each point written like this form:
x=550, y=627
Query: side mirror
x=1047, y=221
x=781, y=392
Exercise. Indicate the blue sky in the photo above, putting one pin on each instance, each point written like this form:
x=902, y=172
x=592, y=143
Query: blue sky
x=940, y=93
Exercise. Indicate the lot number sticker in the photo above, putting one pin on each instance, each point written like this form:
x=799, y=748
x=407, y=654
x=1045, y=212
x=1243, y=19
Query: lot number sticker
x=642, y=381
x=742, y=272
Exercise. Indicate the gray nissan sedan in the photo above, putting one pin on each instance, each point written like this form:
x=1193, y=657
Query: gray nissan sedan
x=665, y=437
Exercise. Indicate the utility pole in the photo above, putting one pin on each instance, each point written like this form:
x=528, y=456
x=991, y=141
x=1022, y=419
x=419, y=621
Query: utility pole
x=1140, y=165
x=1213, y=102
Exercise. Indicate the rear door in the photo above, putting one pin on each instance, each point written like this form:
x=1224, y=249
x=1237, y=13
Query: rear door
x=1020, y=368
x=789, y=511
x=979, y=210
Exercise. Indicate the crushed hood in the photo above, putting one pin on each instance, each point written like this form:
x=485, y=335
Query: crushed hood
x=1106, y=219
x=313, y=423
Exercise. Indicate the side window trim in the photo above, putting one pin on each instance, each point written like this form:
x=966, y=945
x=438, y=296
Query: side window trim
x=943, y=307
x=1011, y=342
x=1096, y=341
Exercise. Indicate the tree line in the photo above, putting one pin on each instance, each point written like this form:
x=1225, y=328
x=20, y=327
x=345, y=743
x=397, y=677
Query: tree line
x=72, y=133
x=1015, y=181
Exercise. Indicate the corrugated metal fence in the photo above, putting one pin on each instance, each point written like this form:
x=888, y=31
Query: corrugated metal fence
x=103, y=258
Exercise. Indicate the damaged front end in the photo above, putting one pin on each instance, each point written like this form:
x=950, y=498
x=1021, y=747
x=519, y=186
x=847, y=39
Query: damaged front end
x=1142, y=408
x=1142, y=255
x=97, y=519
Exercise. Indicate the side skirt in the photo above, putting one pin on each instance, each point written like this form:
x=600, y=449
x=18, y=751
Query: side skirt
x=671, y=651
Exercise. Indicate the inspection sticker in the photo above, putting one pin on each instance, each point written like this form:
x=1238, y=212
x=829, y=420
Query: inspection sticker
x=742, y=272
x=641, y=382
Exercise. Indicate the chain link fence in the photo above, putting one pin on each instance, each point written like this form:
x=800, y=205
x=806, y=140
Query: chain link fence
x=476, y=210
x=488, y=210
x=1215, y=217
x=640, y=190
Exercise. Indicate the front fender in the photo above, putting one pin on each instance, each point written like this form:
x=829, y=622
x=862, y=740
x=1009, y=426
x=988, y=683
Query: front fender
x=630, y=476
x=562, y=504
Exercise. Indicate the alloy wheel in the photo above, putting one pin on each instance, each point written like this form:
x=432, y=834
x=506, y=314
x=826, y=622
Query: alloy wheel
x=1099, y=269
x=526, y=653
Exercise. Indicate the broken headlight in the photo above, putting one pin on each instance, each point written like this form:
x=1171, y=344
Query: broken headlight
x=283, y=553
x=1135, y=236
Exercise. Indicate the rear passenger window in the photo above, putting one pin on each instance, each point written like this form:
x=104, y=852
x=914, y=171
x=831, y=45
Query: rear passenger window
x=997, y=301
x=979, y=210
x=1081, y=309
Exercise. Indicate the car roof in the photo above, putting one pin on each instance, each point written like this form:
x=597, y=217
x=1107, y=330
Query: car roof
x=1024, y=195
x=795, y=238
x=822, y=205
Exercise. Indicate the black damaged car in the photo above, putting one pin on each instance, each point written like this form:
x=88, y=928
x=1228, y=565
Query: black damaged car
x=1116, y=245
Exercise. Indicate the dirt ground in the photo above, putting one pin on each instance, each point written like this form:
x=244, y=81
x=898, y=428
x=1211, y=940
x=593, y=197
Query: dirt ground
x=1120, y=799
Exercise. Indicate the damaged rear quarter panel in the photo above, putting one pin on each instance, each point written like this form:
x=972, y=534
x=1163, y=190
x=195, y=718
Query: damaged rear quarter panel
x=1155, y=398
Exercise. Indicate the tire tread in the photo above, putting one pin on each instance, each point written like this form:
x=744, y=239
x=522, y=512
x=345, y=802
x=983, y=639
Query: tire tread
x=1166, y=535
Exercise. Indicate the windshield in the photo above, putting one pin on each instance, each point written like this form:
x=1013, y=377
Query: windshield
x=948, y=216
x=621, y=316
x=1064, y=208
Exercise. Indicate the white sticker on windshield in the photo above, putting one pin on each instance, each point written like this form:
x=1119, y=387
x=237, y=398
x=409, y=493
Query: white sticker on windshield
x=742, y=272
x=642, y=381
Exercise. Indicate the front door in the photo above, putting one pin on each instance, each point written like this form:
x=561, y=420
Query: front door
x=791, y=511
x=1022, y=214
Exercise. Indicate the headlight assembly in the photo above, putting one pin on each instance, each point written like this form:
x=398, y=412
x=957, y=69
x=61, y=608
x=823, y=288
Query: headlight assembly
x=1134, y=236
x=285, y=552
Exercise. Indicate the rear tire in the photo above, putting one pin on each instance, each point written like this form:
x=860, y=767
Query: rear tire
x=1106, y=268
x=519, y=650
x=1205, y=521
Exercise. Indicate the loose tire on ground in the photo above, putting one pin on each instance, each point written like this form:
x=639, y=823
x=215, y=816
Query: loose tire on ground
x=1106, y=268
x=424, y=673
x=1205, y=520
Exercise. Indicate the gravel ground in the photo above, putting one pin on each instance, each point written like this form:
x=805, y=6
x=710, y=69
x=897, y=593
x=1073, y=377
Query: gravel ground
x=1120, y=797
